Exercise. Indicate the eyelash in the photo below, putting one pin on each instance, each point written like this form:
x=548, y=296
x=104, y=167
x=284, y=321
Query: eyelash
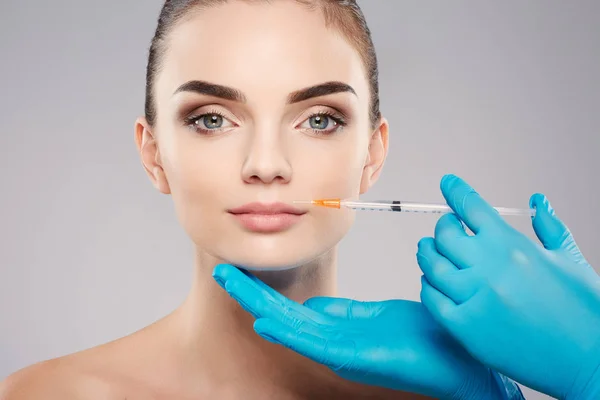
x=338, y=120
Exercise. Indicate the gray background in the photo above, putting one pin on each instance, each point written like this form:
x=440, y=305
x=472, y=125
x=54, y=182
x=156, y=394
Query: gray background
x=505, y=94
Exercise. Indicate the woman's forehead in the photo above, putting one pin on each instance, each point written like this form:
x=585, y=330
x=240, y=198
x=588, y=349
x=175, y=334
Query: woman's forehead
x=271, y=46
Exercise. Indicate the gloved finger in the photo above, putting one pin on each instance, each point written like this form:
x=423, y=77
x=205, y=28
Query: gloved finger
x=316, y=316
x=443, y=275
x=344, y=308
x=224, y=273
x=261, y=300
x=265, y=304
x=441, y=308
x=335, y=354
x=551, y=231
x=293, y=315
x=453, y=242
x=468, y=204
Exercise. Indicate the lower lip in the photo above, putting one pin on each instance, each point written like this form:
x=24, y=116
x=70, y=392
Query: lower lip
x=267, y=223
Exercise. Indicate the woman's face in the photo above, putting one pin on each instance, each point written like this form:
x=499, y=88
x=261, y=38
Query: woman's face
x=259, y=105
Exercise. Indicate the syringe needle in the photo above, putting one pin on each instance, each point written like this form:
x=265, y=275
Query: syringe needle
x=403, y=206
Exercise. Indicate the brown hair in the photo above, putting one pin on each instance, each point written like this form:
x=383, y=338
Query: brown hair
x=345, y=15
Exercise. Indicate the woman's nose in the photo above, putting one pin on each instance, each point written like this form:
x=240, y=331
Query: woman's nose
x=266, y=161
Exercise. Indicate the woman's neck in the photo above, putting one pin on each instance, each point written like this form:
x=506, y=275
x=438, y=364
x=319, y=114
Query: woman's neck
x=215, y=333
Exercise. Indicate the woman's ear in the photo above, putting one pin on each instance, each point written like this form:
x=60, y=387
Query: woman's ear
x=150, y=155
x=376, y=155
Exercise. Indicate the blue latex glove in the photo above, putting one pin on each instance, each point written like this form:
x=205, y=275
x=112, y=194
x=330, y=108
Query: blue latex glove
x=394, y=344
x=529, y=311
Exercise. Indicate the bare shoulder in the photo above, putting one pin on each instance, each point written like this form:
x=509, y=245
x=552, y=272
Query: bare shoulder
x=113, y=370
x=53, y=379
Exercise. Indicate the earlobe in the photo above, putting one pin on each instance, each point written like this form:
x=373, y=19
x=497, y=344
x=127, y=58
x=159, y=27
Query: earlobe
x=150, y=155
x=376, y=155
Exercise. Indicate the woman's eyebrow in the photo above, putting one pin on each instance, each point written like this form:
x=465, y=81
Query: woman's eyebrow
x=322, y=89
x=228, y=93
x=212, y=89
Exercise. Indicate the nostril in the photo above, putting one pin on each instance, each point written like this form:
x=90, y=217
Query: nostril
x=265, y=179
x=253, y=179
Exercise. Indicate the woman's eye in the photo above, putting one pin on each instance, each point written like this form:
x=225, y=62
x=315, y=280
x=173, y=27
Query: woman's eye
x=319, y=122
x=212, y=121
x=209, y=122
x=322, y=123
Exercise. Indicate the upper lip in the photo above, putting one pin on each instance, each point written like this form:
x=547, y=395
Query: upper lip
x=267, y=209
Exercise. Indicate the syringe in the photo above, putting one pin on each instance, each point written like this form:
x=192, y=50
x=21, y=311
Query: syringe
x=404, y=206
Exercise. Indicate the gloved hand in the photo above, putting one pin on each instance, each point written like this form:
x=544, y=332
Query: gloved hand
x=527, y=311
x=394, y=344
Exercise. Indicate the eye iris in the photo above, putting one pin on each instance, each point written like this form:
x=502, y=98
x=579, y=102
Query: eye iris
x=319, y=122
x=213, y=121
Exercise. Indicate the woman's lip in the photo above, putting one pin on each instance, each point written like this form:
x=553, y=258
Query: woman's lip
x=267, y=223
x=267, y=209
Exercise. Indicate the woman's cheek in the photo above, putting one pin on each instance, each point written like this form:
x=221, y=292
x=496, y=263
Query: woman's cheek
x=200, y=184
x=344, y=182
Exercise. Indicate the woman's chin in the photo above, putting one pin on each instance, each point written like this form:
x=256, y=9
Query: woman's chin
x=267, y=268
x=274, y=252
x=269, y=263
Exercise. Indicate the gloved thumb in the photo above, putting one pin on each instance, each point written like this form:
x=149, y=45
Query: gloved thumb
x=550, y=230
